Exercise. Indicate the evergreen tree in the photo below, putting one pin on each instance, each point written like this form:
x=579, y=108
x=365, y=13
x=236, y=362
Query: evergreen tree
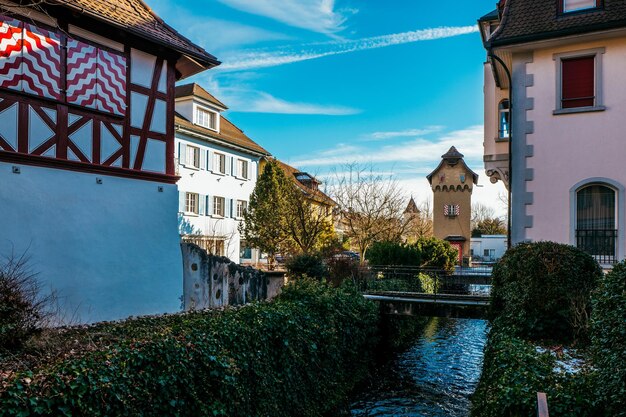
x=265, y=221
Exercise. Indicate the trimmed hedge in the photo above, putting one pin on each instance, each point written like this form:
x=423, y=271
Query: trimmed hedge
x=608, y=321
x=296, y=356
x=425, y=252
x=543, y=289
x=513, y=372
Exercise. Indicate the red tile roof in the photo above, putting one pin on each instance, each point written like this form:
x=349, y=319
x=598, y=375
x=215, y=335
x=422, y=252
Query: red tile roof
x=194, y=89
x=313, y=193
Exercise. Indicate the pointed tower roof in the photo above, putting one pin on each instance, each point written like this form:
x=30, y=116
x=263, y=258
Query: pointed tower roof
x=411, y=207
x=452, y=157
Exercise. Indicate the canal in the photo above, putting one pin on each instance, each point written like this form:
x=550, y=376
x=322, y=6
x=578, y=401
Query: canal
x=434, y=377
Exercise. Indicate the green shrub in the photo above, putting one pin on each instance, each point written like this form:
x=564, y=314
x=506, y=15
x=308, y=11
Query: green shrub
x=543, y=289
x=609, y=339
x=425, y=252
x=297, y=356
x=514, y=371
x=306, y=265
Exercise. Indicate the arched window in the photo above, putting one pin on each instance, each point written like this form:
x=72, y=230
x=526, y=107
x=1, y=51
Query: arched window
x=504, y=119
x=596, y=231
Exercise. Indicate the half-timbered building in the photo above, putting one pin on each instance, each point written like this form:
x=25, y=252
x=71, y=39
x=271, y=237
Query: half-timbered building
x=87, y=173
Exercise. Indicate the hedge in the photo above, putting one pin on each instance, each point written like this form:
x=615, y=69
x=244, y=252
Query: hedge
x=609, y=339
x=296, y=356
x=544, y=290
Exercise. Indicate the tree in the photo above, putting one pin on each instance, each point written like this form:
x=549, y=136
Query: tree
x=480, y=212
x=371, y=207
x=308, y=227
x=420, y=224
x=493, y=226
x=264, y=223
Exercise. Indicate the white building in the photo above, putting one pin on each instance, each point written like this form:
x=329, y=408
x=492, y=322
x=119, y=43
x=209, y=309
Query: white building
x=218, y=165
x=554, y=85
x=488, y=248
x=87, y=176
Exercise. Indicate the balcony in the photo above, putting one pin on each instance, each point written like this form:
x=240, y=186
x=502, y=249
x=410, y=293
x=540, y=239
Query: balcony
x=601, y=244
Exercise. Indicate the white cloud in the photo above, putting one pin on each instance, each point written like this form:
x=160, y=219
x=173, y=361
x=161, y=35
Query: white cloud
x=467, y=141
x=315, y=15
x=403, y=133
x=288, y=55
x=252, y=101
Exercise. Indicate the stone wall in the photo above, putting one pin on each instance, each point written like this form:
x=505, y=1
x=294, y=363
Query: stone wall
x=214, y=281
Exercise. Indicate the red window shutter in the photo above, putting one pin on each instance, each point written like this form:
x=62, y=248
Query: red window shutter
x=578, y=82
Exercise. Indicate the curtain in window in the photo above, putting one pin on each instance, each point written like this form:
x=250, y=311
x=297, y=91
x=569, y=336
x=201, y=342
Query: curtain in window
x=596, y=208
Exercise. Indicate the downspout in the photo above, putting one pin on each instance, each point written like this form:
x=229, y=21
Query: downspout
x=493, y=56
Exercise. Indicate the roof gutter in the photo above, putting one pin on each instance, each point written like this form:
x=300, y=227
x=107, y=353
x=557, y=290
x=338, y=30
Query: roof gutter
x=179, y=128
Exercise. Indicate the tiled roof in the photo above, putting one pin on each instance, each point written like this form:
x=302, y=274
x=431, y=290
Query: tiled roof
x=135, y=16
x=316, y=195
x=454, y=156
x=528, y=20
x=193, y=89
x=229, y=134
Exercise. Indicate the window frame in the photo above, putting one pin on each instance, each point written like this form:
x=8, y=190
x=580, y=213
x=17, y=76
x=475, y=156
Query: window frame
x=219, y=168
x=211, y=122
x=195, y=156
x=597, y=53
x=221, y=206
x=196, y=206
x=241, y=208
x=598, y=5
x=241, y=172
x=508, y=120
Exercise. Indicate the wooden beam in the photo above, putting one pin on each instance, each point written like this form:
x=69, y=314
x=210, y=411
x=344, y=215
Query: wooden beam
x=542, y=405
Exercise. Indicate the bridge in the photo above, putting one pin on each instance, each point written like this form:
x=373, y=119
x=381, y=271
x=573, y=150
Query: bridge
x=401, y=290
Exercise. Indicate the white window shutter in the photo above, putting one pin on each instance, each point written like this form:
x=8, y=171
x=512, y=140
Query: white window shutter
x=209, y=205
x=201, y=204
x=227, y=162
x=182, y=153
x=249, y=176
x=202, y=159
x=181, y=201
x=210, y=161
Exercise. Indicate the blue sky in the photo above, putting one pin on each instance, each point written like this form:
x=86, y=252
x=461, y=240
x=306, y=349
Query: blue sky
x=321, y=83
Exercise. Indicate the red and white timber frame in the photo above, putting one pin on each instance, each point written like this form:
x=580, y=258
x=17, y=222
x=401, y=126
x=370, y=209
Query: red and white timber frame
x=68, y=102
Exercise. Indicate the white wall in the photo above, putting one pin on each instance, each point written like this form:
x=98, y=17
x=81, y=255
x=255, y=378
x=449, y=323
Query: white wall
x=110, y=250
x=489, y=242
x=205, y=182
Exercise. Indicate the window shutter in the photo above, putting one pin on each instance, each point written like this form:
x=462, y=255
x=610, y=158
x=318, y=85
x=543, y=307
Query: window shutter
x=201, y=204
x=182, y=153
x=209, y=205
x=249, y=176
x=233, y=167
x=181, y=201
x=228, y=162
x=209, y=160
x=202, y=159
x=578, y=76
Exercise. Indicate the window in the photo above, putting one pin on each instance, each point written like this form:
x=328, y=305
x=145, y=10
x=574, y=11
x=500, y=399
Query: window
x=451, y=210
x=504, y=119
x=206, y=118
x=242, y=168
x=219, y=163
x=490, y=254
x=191, y=203
x=211, y=244
x=242, y=206
x=218, y=206
x=596, y=231
x=193, y=156
x=577, y=5
x=578, y=86
x=579, y=81
x=245, y=252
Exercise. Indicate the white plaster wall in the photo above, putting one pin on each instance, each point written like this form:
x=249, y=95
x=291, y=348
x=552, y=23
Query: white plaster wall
x=206, y=182
x=110, y=250
x=495, y=242
x=571, y=148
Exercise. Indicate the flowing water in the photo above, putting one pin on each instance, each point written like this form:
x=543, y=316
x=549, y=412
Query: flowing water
x=435, y=377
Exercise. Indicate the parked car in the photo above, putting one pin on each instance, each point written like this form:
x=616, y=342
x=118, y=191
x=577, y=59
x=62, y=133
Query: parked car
x=347, y=254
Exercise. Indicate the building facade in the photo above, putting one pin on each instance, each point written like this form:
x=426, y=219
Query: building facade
x=87, y=175
x=218, y=167
x=452, y=183
x=554, y=86
x=488, y=248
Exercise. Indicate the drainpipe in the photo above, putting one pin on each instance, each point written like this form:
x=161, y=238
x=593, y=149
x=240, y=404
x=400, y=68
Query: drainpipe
x=493, y=57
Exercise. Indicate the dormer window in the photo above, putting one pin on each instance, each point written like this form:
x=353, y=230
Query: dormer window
x=206, y=118
x=568, y=6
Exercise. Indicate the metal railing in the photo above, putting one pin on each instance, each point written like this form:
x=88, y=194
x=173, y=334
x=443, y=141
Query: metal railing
x=601, y=244
x=408, y=279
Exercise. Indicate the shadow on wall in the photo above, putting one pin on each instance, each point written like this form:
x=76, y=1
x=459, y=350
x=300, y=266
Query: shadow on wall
x=211, y=281
x=185, y=227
